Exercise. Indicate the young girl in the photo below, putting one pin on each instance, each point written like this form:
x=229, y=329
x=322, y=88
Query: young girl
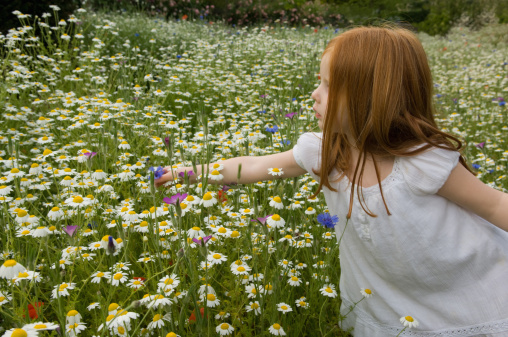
x=422, y=232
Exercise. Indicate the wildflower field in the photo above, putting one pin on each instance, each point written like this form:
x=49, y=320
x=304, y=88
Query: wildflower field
x=94, y=104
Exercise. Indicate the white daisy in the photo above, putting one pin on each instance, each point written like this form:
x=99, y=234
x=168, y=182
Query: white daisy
x=211, y=300
x=276, y=172
x=409, y=321
x=99, y=275
x=366, y=292
x=328, y=290
x=208, y=199
x=224, y=329
x=276, y=329
x=117, y=278
x=15, y=332
x=302, y=303
x=275, y=221
x=276, y=203
x=253, y=306
x=215, y=175
x=10, y=269
x=295, y=281
x=158, y=301
x=216, y=258
x=284, y=308
x=41, y=326
x=62, y=289
x=156, y=323
x=75, y=329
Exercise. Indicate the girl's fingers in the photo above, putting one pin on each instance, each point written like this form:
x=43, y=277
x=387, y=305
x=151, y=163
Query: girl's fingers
x=163, y=179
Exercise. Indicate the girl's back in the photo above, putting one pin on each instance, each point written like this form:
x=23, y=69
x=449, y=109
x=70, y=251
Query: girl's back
x=430, y=258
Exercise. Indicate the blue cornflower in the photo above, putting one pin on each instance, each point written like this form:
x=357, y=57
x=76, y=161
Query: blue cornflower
x=157, y=172
x=476, y=166
x=273, y=129
x=327, y=220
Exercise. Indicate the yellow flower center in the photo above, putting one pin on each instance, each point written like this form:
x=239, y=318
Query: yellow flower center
x=156, y=317
x=72, y=313
x=240, y=269
x=46, y=152
x=277, y=199
x=22, y=213
x=118, y=276
x=224, y=326
x=63, y=286
x=14, y=170
x=409, y=318
x=368, y=291
x=171, y=334
x=19, y=333
x=120, y=329
x=276, y=217
x=77, y=200
x=276, y=170
x=40, y=326
x=168, y=281
x=294, y=278
x=196, y=228
x=101, y=274
x=10, y=263
x=207, y=196
x=222, y=230
x=235, y=234
x=210, y=297
x=329, y=290
x=217, y=256
x=276, y=326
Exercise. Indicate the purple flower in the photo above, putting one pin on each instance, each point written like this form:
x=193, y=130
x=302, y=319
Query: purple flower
x=157, y=172
x=226, y=188
x=480, y=145
x=202, y=240
x=166, y=141
x=262, y=220
x=189, y=173
x=476, y=166
x=175, y=198
x=89, y=155
x=290, y=115
x=327, y=220
x=70, y=230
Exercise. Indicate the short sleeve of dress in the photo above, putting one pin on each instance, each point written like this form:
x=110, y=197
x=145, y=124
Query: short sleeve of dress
x=307, y=152
x=426, y=173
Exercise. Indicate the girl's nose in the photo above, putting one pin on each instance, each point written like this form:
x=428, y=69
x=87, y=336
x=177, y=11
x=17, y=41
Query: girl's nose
x=314, y=95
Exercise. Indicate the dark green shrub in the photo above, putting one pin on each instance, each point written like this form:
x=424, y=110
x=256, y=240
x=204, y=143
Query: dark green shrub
x=9, y=20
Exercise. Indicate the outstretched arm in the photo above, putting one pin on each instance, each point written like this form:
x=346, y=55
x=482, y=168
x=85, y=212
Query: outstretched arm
x=253, y=169
x=467, y=191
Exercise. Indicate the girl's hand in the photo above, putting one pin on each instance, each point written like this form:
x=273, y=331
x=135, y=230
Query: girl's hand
x=167, y=176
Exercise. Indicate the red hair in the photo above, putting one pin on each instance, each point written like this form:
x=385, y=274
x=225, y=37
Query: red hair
x=381, y=79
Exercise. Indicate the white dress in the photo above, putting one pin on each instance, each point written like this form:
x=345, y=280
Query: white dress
x=431, y=259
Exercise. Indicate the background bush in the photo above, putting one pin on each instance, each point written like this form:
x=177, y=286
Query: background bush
x=34, y=8
x=431, y=16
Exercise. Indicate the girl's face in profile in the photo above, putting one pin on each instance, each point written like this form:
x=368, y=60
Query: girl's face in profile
x=320, y=95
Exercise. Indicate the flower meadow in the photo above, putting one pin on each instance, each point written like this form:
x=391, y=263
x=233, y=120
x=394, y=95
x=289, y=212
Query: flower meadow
x=94, y=105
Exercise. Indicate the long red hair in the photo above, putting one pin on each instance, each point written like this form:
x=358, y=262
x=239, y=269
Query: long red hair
x=381, y=78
